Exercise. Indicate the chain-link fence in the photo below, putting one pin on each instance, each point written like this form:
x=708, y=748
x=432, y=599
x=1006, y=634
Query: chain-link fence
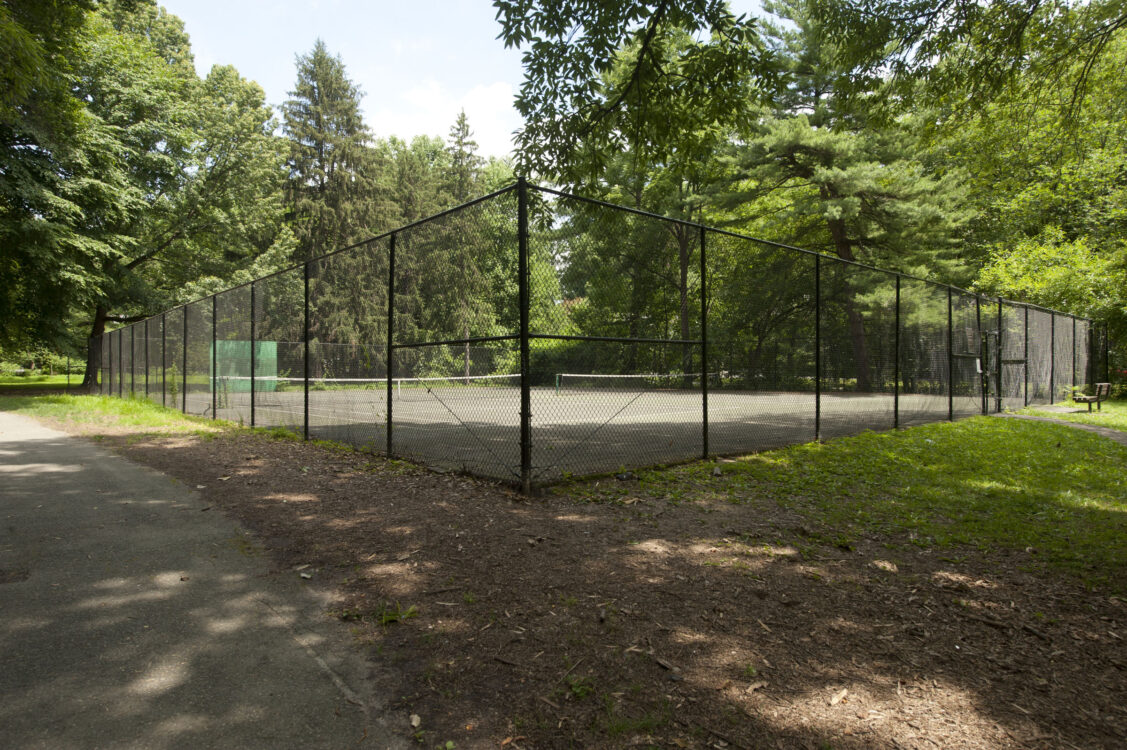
x=532, y=335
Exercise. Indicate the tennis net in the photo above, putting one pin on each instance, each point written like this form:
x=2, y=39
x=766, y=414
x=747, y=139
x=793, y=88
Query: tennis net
x=578, y=383
x=402, y=388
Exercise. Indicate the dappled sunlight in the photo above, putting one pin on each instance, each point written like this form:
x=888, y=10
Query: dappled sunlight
x=954, y=579
x=32, y=470
x=169, y=673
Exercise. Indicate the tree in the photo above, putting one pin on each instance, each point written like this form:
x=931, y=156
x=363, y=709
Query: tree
x=577, y=116
x=465, y=164
x=967, y=52
x=336, y=191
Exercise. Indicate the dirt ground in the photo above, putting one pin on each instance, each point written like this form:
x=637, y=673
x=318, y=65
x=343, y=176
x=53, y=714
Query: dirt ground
x=499, y=621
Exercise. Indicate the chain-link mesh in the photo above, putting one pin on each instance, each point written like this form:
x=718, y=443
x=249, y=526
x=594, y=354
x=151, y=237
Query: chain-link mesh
x=232, y=354
x=1039, y=355
x=279, y=331
x=456, y=362
x=348, y=346
x=198, y=345
x=924, y=364
x=966, y=356
x=761, y=341
x=1064, y=361
x=858, y=340
x=625, y=366
x=615, y=363
x=1013, y=360
x=1083, y=345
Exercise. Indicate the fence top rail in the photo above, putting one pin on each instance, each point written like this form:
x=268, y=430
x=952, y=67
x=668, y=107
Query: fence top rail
x=593, y=201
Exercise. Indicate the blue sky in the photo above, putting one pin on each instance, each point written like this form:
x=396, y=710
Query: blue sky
x=418, y=62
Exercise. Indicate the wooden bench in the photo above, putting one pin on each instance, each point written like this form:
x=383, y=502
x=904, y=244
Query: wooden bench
x=1103, y=391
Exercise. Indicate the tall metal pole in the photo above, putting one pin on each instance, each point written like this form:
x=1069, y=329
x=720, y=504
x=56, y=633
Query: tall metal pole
x=253, y=364
x=1073, y=351
x=146, y=358
x=817, y=348
x=184, y=374
x=163, y=358
x=390, y=338
x=982, y=376
x=703, y=345
x=214, y=357
x=525, y=379
x=998, y=363
x=1025, y=355
x=950, y=358
x=1052, y=357
x=305, y=337
x=896, y=363
x=132, y=359
x=120, y=365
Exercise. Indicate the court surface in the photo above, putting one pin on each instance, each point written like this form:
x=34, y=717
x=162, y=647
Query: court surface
x=575, y=431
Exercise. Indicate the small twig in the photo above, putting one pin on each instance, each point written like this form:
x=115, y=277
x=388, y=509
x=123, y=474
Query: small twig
x=986, y=621
x=503, y=660
x=571, y=668
x=550, y=703
x=446, y=590
x=1036, y=632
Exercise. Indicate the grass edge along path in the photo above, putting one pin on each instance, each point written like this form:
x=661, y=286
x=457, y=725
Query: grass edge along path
x=1111, y=414
x=1053, y=492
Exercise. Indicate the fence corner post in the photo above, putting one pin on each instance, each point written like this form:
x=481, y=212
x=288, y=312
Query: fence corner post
x=390, y=368
x=704, y=344
x=305, y=338
x=525, y=379
x=817, y=348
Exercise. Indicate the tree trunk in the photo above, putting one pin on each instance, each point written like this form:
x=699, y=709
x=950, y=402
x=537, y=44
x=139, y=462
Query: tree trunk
x=94, y=350
x=681, y=232
x=844, y=250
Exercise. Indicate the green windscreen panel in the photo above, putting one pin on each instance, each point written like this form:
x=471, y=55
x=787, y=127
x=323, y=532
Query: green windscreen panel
x=232, y=359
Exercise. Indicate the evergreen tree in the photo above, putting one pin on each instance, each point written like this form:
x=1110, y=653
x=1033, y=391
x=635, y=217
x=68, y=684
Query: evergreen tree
x=336, y=188
x=465, y=164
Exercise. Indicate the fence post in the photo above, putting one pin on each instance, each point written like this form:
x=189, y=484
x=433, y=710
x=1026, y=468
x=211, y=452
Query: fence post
x=120, y=365
x=817, y=348
x=998, y=363
x=982, y=376
x=1074, y=351
x=305, y=338
x=896, y=363
x=522, y=282
x=950, y=359
x=253, y=367
x=184, y=372
x=1025, y=355
x=1052, y=357
x=163, y=359
x=390, y=338
x=214, y=357
x=146, y=358
x=1107, y=352
x=703, y=346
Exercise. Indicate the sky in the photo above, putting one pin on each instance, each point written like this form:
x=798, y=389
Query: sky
x=417, y=62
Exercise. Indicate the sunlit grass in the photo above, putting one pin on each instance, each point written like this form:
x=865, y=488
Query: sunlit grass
x=20, y=382
x=1111, y=414
x=1055, y=494
x=108, y=410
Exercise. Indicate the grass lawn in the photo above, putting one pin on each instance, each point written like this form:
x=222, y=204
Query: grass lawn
x=985, y=483
x=92, y=412
x=1111, y=414
x=20, y=382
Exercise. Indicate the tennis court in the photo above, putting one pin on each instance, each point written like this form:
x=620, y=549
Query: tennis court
x=583, y=427
x=607, y=312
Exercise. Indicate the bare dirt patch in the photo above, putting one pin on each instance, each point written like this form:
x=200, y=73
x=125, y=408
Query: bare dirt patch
x=503, y=621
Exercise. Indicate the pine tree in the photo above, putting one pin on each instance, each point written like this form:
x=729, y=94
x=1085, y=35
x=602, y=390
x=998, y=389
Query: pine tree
x=335, y=190
x=465, y=164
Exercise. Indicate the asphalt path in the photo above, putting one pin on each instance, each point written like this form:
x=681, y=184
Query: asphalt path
x=133, y=616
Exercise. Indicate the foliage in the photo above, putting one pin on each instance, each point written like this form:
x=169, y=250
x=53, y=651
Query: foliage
x=577, y=114
x=336, y=190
